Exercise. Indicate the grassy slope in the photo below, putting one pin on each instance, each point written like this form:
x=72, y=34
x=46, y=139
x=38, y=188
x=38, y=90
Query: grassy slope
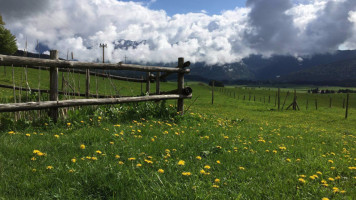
x=235, y=132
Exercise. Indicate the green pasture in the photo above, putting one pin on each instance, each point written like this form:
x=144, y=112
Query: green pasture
x=232, y=149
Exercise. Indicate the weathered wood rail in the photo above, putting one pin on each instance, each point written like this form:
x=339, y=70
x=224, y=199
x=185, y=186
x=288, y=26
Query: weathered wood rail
x=153, y=73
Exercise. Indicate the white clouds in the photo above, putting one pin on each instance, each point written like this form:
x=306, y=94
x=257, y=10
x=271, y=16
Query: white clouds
x=80, y=25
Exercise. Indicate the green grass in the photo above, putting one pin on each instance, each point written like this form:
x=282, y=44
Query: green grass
x=262, y=152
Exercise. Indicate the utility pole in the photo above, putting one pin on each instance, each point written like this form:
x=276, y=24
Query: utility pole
x=25, y=50
x=103, y=46
x=38, y=49
x=125, y=58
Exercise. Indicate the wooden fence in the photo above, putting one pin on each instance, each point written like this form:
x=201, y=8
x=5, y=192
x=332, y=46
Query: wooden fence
x=153, y=74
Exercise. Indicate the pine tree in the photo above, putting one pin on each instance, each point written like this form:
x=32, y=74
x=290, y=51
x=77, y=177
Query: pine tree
x=7, y=40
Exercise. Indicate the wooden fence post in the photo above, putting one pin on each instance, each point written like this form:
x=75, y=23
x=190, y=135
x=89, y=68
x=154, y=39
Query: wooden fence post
x=148, y=83
x=347, y=105
x=141, y=86
x=316, y=104
x=87, y=83
x=212, y=92
x=158, y=85
x=54, y=86
x=180, y=106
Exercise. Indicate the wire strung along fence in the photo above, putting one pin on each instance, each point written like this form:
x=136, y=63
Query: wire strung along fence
x=54, y=65
x=285, y=100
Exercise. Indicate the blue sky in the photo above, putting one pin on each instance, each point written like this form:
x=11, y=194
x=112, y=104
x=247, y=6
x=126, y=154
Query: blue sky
x=184, y=6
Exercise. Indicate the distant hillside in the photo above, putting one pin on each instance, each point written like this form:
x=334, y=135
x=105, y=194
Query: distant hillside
x=270, y=68
x=336, y=72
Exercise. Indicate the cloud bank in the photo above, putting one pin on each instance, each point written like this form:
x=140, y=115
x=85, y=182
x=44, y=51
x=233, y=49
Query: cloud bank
x=262, y=27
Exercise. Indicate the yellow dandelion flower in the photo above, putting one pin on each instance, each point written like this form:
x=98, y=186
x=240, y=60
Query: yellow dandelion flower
x=288, y=160
x=138, y=165
x=186, y=173
x=283, y=148
x=318, y=172
x=324, y=198
x=217, y=180
x=36, y=151
x=342, y=191
x=181, y=162
x=131, y=159
x=121, y=163
x=161, y=171
x=41, y=154
x=49, y=167
x=297, y=160
x=218, y=162
x=207, y=167
x=148, y=161
x=198, y=157
x=335, y=189
x=312, y=177
x=34, y=170
x=267, y=151
x=28, y=135
x=117, y=156
x=331, y=179
x=301, y=180
x=11, y=132
x=219, y=147
x=56, y=136
x=241, y=168
x=111, y=142
x=330, y=161
x=71, y=171
x=215, y=186
x=332, y=168
x=82, y=146
x=98, y=152
x=302, y=176
x=33, y=159
x=202, y=171
x=68, y=124
x=74, y=160
x=94, y=158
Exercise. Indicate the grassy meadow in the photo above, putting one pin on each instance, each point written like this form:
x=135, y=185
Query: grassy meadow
x=234, y=149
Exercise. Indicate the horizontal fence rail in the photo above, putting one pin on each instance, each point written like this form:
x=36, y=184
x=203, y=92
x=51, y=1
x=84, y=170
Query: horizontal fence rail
x=12, y=107
x=22, y=61
x=54, y=65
